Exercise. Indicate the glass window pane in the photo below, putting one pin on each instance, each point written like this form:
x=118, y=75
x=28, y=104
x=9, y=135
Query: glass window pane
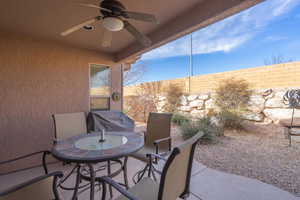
x=99, y=103
x=100, y=79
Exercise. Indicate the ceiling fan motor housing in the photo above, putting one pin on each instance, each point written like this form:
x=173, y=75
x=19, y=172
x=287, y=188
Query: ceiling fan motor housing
x=115, y=6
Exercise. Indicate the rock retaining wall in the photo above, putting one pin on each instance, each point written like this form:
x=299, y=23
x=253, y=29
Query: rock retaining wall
x=265, y=106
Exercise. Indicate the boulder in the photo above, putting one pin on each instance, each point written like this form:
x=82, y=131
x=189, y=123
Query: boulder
x=161, y=103
x=210, y=104
x=257, y=117
x=198, y=113
x=162, y=98
x=197, y=103
x=256, y=103
x=267, y=94
x=183, y=100
x=276, y=101
x=278, y=114
x=185, y=108
x=203, y=96
x=192, y=97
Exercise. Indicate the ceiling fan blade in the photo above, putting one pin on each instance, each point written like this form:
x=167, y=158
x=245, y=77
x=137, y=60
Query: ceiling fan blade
x=93, y=6
x=106, y=38
x=143, y=39
x=81, y=25
x=140, y=16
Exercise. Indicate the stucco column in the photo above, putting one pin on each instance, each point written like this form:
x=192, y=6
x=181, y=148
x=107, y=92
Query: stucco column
x=116, y=86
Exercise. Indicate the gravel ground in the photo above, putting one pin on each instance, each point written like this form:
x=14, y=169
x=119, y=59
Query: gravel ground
x=261, y=153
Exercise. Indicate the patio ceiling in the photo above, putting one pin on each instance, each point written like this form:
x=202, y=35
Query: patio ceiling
x=46, y=19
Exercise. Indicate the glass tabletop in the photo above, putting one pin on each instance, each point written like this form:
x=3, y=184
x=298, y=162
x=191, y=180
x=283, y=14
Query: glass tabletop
x=93, y=143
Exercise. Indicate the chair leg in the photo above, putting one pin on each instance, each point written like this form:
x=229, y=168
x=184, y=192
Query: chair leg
x=143, y=173
x=125, y=173
x=290, y=139
x=109, y=173
x=75, y=193
x=103, y=191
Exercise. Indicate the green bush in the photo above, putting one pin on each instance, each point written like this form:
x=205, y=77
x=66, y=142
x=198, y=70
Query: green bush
x=189, y=129
x=205, y=125
x=179, y=119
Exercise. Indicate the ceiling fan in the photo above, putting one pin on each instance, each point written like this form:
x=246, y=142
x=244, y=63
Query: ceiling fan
x=114, y=15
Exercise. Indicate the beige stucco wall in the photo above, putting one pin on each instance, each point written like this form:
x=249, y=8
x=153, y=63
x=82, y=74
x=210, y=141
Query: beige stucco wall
x=37, y=79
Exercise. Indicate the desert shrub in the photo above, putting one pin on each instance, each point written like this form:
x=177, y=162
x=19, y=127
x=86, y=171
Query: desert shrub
x=230, y=119
x=179, y=119
x=189, y=129
x=138, y=107
x=232, y=99
x=143, y=102
x=173, y=93
x=211, y=131
x=233, y=94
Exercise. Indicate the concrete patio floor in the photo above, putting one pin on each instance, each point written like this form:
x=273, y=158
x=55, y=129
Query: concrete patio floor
x=206, y=183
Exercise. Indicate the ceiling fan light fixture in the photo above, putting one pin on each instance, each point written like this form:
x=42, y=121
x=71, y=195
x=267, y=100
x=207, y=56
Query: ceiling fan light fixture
x=113, y=23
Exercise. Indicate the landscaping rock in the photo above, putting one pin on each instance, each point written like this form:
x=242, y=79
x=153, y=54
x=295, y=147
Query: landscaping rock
x=183, y=101
x=162, y=98
x=210, y=104
x=280, y=113
x=267, y=94
x=192, y=97
x=276, y=101
x=256, y=103
x=253, y=117
x=198, y=113
x=161, y=103
x=197, y=103
x=203, y=96
x=185, y=108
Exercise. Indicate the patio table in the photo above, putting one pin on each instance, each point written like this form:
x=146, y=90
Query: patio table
x=87, y=149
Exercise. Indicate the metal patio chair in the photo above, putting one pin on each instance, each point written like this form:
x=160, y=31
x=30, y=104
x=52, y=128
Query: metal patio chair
x=175, y=176
x=292, y=98
x=67, y=125
x=157, y=140
x=41, y=187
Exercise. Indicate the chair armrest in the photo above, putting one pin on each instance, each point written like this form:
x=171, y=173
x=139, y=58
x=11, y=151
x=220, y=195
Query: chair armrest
x=45, y=153
x=157, y=142
x=118, y=187
x=56, y=175
x=159, y=156
x=293, y=127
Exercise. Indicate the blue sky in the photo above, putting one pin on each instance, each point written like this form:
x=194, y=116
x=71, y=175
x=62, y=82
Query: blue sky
x=244, y=40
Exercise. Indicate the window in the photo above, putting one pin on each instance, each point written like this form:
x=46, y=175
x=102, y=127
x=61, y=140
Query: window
x=100, y=82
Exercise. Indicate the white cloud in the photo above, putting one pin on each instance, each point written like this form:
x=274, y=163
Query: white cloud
x=228, y=34
x=275, y=38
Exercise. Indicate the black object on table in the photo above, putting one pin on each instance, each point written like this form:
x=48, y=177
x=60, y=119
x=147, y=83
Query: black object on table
x=86, y=149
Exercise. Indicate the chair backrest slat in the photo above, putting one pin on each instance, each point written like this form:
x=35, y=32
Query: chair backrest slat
x=176, y=175
x=69, y=124
x=158, y=127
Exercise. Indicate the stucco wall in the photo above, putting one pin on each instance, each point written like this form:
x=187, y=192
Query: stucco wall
x=37, y=79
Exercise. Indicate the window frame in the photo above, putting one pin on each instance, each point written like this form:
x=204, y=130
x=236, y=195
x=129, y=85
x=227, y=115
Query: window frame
x=108, y=97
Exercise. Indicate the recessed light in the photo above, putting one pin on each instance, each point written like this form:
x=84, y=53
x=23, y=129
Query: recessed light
x=88, y=27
